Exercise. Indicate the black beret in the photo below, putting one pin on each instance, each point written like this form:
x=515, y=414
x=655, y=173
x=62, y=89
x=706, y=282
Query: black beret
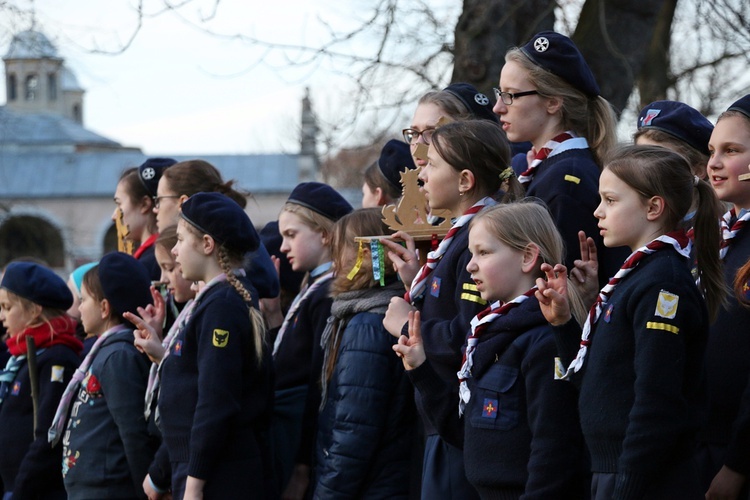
x=395, y=157
x=559, y=55
x=320, y=198
x=223, y=219
x=742, y=105
x=271, y=239
x=678, y=120
x=38, y=284
x=477, y=103
x=125, y=282
x=150, y=172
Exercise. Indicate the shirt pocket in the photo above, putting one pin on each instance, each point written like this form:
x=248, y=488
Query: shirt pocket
x=495, y=400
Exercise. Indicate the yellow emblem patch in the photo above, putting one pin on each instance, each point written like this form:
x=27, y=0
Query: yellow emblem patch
x=573, y=179
x=559, y=369
x=57, y=373
x=221, y=338
x=666, y=305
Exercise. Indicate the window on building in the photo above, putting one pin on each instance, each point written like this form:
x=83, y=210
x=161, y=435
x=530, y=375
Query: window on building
x=32, y=84
x=12, y=90
x=77, y=113
x=51, y=86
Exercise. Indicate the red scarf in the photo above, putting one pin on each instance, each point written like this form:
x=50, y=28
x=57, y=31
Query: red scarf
x=145, y=245
x=58, y=330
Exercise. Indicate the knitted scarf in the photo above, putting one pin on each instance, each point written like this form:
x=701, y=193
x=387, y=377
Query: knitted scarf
x=677, y=240
x=479, y=324
x=345, y=306
x=57, y=330
x=554, y=146
x=420, y=281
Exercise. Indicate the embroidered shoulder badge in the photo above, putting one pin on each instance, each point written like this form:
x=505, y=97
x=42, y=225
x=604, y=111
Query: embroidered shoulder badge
x=489, y=408
x=221, y=338
x=57, y=373
x=666, y=305
x=435, y=287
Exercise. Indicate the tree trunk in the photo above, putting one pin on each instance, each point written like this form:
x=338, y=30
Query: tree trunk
x=487, y=29
x=614, y=37
x=655, y=76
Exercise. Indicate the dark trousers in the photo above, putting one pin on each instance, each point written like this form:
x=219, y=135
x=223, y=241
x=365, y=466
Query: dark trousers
x=443, y=474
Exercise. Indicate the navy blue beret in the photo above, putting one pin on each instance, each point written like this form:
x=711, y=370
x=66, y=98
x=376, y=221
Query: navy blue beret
x=395, y=157
x=477, y=103
x=38, y=284
x=559, y=55
x=125, y=282
x=271, y=239
x=320, y=198
x=223, y=219
x=150, y=172
x=678, y=120
x=742, y=105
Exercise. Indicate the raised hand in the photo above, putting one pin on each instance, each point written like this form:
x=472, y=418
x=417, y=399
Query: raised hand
x=411, y=349
x=404, y=260
x=145, y=337
x=396, y=316
x=585, y=273
x=552, y=294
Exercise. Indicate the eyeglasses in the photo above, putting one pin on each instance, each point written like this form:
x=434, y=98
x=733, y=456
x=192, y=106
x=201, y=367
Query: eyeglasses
x=411, y=135
x=507, y=97
x=157, y=199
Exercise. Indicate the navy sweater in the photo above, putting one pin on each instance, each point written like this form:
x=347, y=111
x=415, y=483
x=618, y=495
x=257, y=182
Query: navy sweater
x=106, y=446
x=214, y=399
x=29, y=466
x=569, y=184
x=450, y=301
x=642, y=384
x=728, y=369
x=520, y=432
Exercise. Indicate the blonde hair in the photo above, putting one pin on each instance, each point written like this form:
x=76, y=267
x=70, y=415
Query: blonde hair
x=519, y=224
x=27, y=305
x=312, y=219
x=590, y=117
x=362, y=222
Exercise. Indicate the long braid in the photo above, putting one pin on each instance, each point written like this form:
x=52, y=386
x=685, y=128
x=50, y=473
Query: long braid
x=256, y=319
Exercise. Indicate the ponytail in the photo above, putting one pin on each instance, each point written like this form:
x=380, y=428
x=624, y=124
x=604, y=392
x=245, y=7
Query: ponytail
x=707, y=242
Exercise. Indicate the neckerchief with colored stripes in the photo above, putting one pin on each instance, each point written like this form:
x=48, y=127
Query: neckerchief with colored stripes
x=420, y=281
x=556, y=145
x=479, y=324
x=729, y=230
x=677, y=240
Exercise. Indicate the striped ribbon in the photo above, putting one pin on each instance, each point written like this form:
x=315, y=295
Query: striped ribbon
x=420, y=281
x=729, y=230
x=677, y=240
x=541, y=155
x=479, y=324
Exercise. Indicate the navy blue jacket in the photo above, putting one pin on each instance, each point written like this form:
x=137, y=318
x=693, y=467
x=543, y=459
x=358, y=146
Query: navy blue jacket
x=366, y=428
x=569, y=184
x=520, y=431
x=215, y=399
x=642, y=384
x=106, y=445
x=450, y=301
x=29, y=466
x=728, y=368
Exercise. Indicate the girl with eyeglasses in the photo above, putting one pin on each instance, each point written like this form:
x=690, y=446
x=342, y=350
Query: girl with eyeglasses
x=549, y=97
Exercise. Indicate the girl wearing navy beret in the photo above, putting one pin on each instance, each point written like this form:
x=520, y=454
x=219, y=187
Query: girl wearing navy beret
x=548, y=96
x=466, y=160
x=33, y=301
x=216, y=389
x=639, y=358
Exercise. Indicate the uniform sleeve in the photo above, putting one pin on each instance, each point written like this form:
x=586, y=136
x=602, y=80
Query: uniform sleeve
x=43, y=461
x=666, y=326
x=442, y=400
x=556, y=439
x=446, y=336
x=160, y=469
x=221, y=343
x=364, y=385
x=123, y=377
x=737, y=456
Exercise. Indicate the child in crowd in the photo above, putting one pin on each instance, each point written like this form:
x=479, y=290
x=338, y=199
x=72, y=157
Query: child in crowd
x=466, y=160
x=520, y=433
x=382, y=185
x=186, y=178
x=367, y=419
x=676, y=126
x=107, y=448
x=74, y=284
x=290, y=281
x=33, y=300
x=306, y=225
x=725, y=439
x=135, y=201
x=548, y=96
x=216, y=383
x=640, y=355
